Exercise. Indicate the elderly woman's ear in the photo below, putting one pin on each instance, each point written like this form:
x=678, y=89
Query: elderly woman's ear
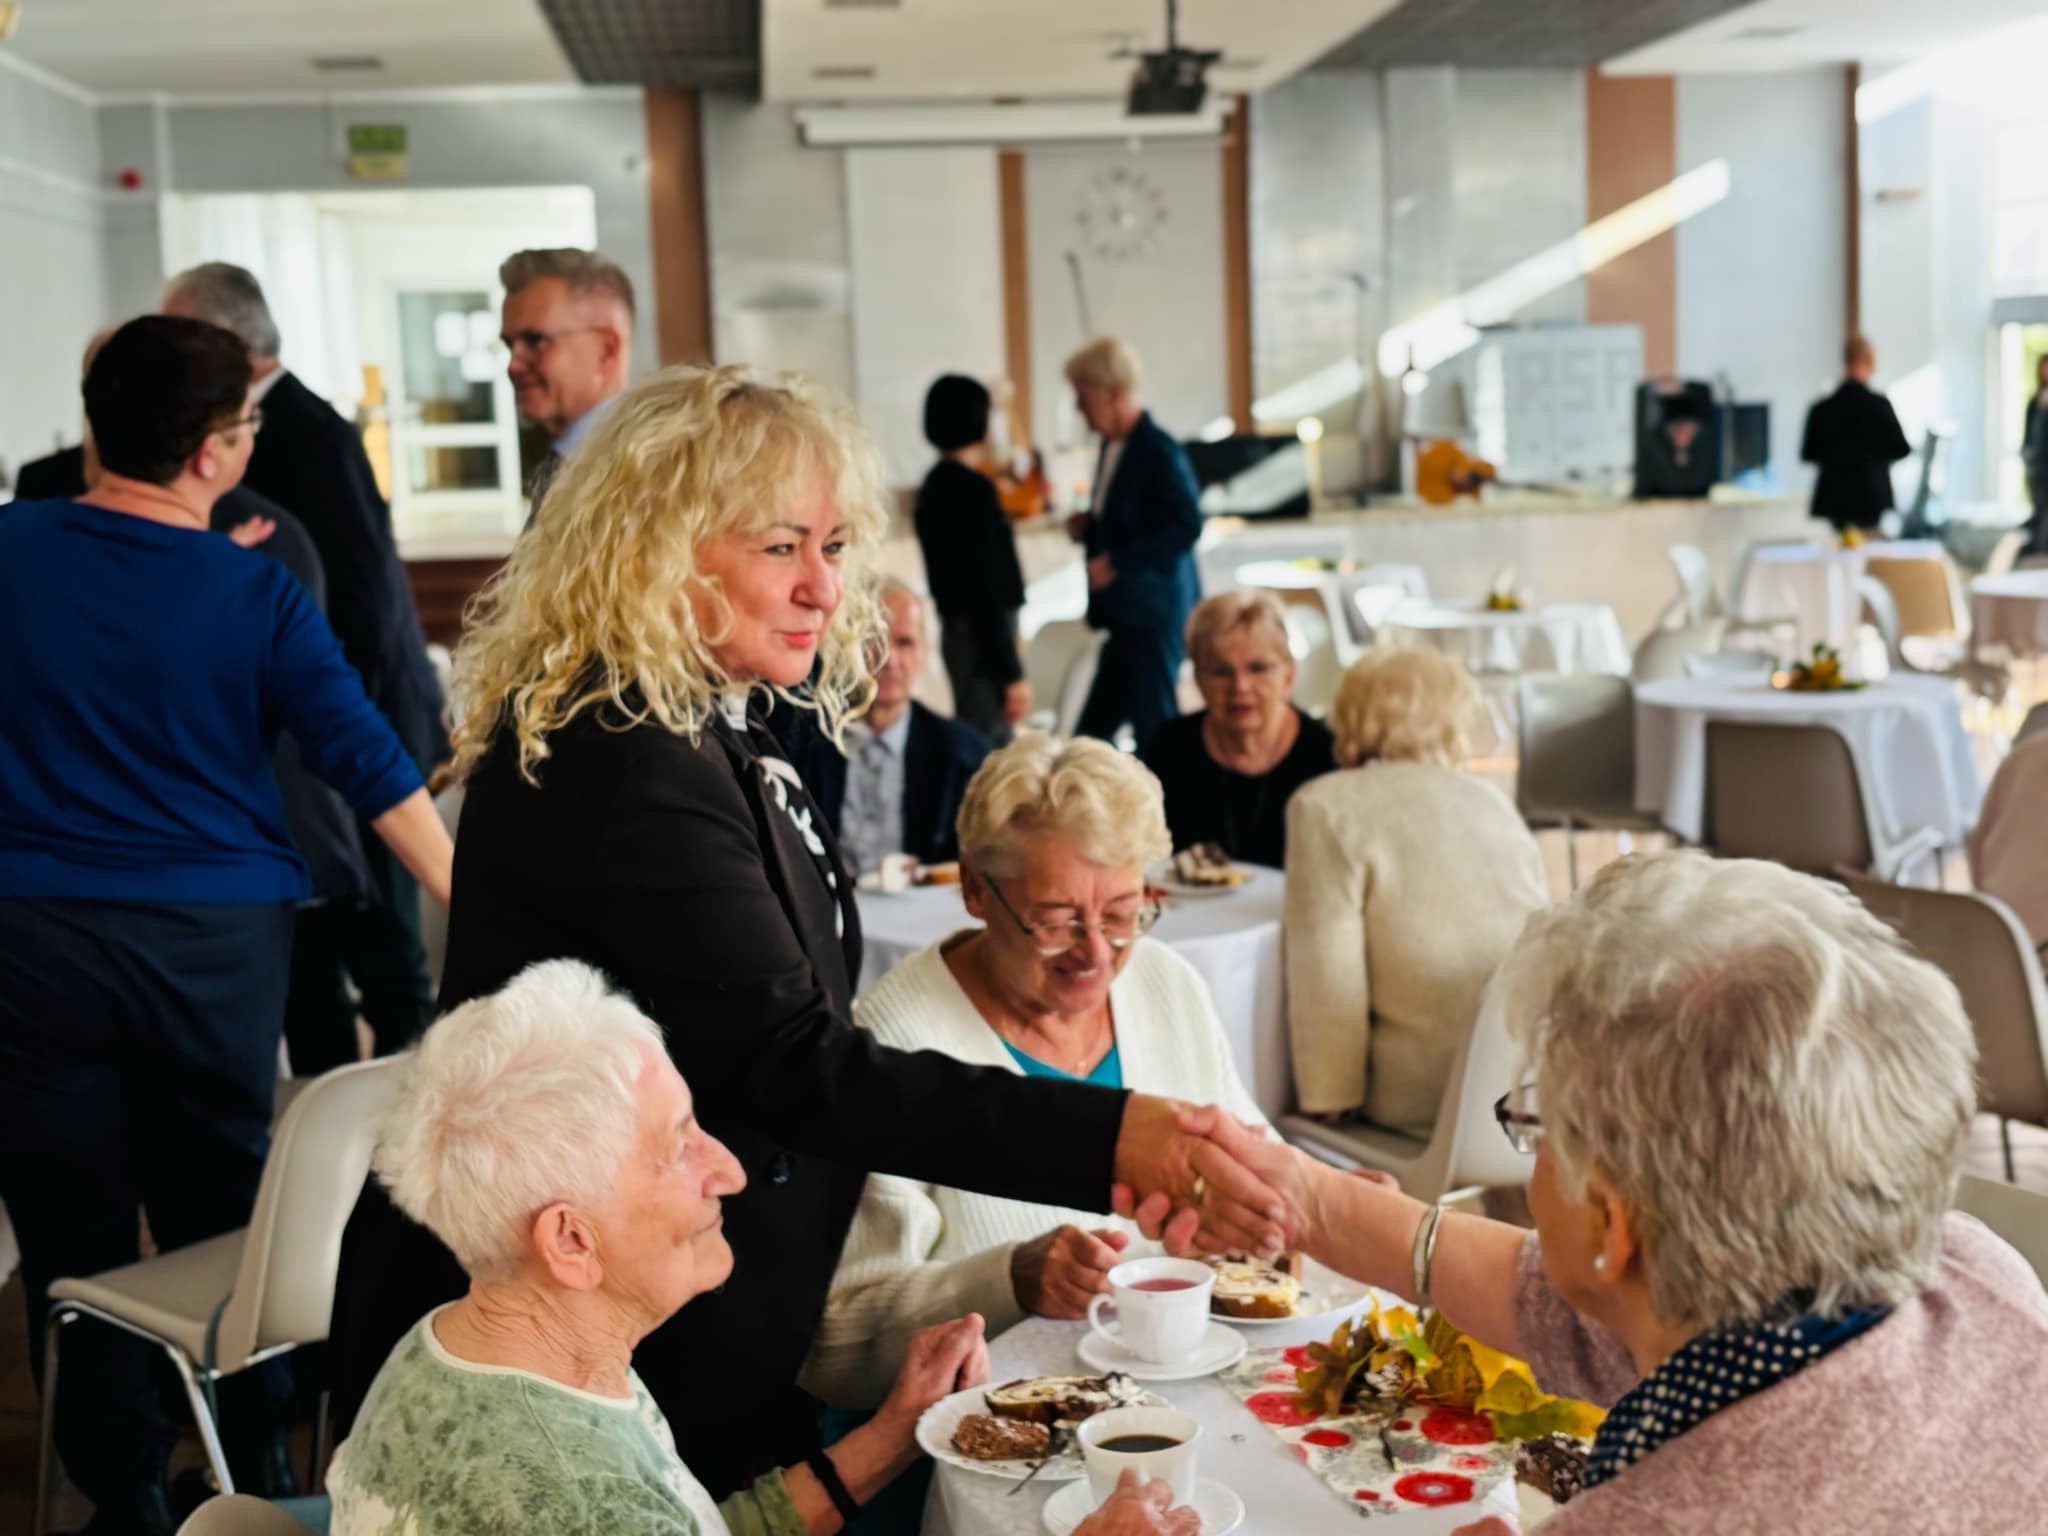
x=566, y=1242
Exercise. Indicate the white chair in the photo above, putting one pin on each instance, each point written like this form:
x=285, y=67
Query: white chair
x=1370, y=606
x=238, y=1514
x=1320, y=655
x=220, y=1306
x=2020, y=1216
x=2005, y=552
x=434, y=916
x=1729, y=664
x=1696, y=599
x=1060, y=662
x=1465, y=1148
x=1663, y=651
x=1576, y=764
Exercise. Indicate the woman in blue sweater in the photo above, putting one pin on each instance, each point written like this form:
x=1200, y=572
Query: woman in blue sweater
x=147, y=880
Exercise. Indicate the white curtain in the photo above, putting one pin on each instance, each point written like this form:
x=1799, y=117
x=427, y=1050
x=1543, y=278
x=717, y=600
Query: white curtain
x=301, y=257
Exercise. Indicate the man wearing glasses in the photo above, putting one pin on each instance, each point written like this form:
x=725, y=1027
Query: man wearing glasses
x=568, y=335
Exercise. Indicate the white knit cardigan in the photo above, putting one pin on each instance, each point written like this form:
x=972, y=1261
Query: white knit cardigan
x=922, y=1253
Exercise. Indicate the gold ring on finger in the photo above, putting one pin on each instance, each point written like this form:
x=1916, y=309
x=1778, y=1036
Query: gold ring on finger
x=1201, y=1189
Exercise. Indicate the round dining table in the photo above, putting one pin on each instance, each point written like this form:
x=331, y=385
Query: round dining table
x=1544, y=637
x=1815, y=588
x=1907, y=731
x=2011, y=610
x=1281, y=1496
x=1232, y=938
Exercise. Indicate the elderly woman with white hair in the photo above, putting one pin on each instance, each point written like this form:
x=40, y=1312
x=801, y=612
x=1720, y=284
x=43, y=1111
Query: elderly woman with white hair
x=1407, y=880
x=1229, y=769
x=1748, y=1105
x=1061, y=982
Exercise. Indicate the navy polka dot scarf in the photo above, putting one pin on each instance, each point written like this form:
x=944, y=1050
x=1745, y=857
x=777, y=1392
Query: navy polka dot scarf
x=1708, y=1373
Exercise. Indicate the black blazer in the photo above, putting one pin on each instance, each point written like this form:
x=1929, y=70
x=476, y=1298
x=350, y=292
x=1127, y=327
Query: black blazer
x=1148, y=525
x=322, y=826
x=308, y=459
x=684, y=872
x=939, y=757
x=970, y=563
x=1855, y=438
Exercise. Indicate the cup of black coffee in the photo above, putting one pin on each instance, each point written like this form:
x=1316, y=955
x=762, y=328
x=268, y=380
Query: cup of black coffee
x=1152, y=1442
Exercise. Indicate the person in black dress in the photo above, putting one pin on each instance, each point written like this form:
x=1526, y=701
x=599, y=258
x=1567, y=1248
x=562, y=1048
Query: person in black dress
x=1230, y=769
x=625, y=807
x=1855, y=438
x=970, y=563
x=2033, y=454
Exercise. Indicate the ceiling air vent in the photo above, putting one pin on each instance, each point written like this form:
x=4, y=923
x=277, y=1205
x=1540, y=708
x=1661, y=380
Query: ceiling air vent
x=863, y=5
x=349, y=64
x=843, y=72
x=1766, y=34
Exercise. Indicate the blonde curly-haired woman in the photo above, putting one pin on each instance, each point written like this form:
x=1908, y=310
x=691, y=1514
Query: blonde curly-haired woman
x=704, y=548
x=1407, y=880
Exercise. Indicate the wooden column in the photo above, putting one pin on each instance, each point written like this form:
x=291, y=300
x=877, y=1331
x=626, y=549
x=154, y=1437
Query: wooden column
x=1016, y=291
x=1237, y=264
x=1631, y=151
x=682, y=252
x=1852, y=225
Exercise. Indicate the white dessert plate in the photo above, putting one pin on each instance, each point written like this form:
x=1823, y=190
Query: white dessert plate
x=1222, y=1511
x=1162, y=876
x=1220, y=1349
x=936, y=1425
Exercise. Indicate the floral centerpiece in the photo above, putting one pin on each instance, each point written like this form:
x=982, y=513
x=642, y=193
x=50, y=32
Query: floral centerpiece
x=1396, y=1412
x=1502, y=597
x=1820, y=673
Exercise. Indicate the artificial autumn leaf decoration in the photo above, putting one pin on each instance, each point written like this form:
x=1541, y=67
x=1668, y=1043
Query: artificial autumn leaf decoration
x=1387, y=1358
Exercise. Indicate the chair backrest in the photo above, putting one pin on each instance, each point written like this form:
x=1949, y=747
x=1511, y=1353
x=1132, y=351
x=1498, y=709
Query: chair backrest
x=1663, y=651
x=319, y=1156
x=1786, y=792
x=1695, y=582
x=1060, y=662
x=2035, y=723
x=1318, y=660
x=1923, y=589
x=2020, y=1216
x=240, y=1514
x=1882, y=610
x=2005, y=551
x=1411, y=579
x=1729, y=664
x=1985, y=950
x=1578, y=743
x=1475, y=1152
x=1747, y=562
x=1372, y=603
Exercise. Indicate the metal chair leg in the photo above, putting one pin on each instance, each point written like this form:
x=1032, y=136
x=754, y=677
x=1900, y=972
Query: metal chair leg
x=46, y=1461
x=202, y=1416
x=2005, y=1139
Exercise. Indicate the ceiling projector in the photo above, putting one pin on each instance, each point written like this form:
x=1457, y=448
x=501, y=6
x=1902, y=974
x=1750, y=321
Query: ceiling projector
x=1173, y=82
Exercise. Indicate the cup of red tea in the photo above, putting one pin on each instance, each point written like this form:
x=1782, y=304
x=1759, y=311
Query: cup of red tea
x=1152, y=1442
x=1162, y=1308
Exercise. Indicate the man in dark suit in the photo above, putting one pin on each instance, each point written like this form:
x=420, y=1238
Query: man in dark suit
x=567, y=330
x=311, y=462
x=1140, y=537
x=1855, y=438
x=897, y=788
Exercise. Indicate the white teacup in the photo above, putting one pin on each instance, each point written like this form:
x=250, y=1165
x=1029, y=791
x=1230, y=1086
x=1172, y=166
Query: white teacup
x=1173, y=1462
x=1162, y=1308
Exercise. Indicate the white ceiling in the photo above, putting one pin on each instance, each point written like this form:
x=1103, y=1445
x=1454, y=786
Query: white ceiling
x=1002, y=48
x=203, y=47
x=1874, y=32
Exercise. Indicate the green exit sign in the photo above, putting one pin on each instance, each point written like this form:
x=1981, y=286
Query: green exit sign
x=376, y=151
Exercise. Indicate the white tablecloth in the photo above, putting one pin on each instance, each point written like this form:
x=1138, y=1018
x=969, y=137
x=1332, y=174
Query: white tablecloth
x=1232, y=939
x=1555, y=637
x=1815, y=586
x=1908, y=731
x=2012, y=611
x=1282, y=1497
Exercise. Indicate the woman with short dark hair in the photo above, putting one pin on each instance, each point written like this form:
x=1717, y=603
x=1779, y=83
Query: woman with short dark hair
x=970, y=562
x=147, y=876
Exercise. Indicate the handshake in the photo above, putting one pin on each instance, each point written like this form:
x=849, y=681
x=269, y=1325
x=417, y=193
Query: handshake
x=1199, y=1179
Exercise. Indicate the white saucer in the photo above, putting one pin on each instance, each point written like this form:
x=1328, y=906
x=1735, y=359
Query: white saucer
x=1220, y=1349
x=1221, y=1509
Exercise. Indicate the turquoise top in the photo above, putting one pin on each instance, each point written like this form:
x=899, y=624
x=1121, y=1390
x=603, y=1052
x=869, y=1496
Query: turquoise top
x=1108, y=1073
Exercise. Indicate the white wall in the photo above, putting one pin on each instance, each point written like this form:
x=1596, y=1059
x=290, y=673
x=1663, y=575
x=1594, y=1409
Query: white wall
x=1167, y=302
x=1519, y=177
x=1761, y=276
x=925, y=246
x=52, y=271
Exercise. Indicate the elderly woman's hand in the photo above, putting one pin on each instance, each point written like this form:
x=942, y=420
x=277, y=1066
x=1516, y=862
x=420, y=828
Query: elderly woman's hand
x=1276, y=1166
x=1058, y=1274
x=942, y=1359
x=1140, y=1509
x=1164, y=1153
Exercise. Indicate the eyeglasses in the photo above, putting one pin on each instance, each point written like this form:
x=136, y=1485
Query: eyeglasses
x=1119, y=930
x=1521, y=1128
x=535, y=343
x=253, y=421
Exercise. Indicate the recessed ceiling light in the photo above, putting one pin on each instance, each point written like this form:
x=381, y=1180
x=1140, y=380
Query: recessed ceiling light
x=1766, y=34
x=349, y=63
x=843, y=72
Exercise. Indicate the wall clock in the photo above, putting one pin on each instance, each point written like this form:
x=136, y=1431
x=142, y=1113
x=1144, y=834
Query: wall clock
x=1122, y=214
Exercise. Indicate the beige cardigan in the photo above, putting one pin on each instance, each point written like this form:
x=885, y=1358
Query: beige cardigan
x=1406, y=884
x=923, y=1253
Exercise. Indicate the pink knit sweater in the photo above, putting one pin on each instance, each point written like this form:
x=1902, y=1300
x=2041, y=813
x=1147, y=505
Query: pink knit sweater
x=1935, y=1420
